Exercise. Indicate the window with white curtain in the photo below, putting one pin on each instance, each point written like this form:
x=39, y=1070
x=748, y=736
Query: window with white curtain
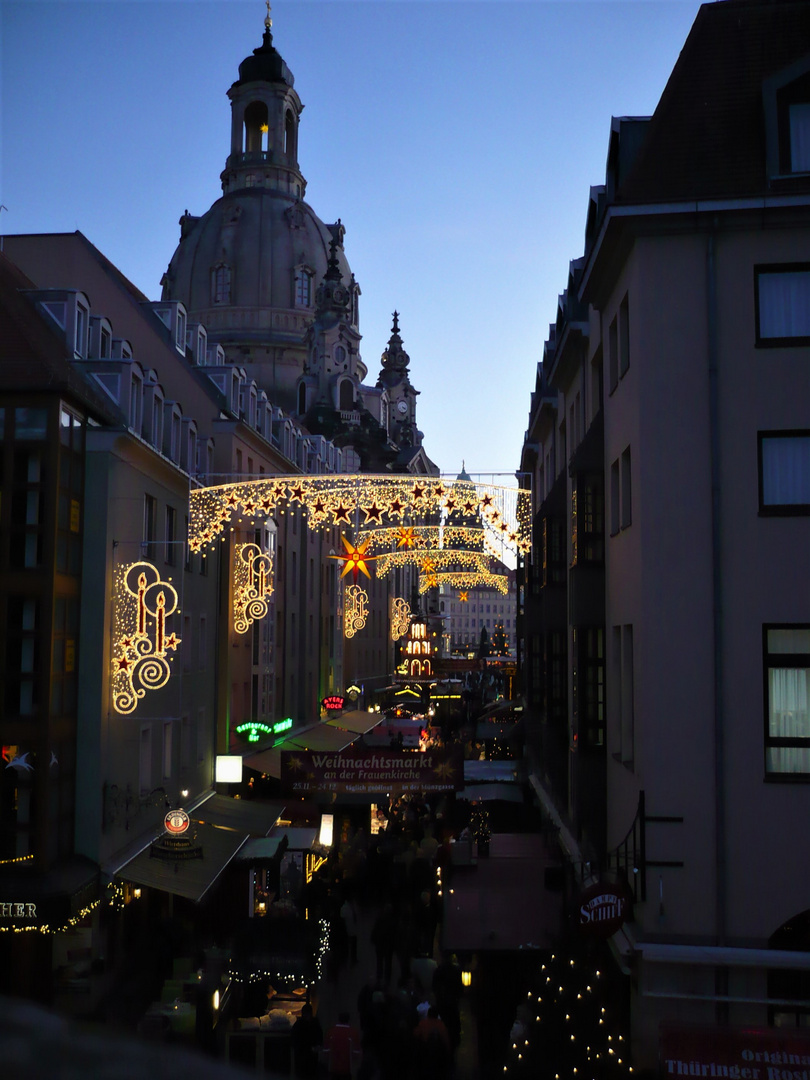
x=783, y=304
x=799, y=115
x=787, y=720
x=784, y=472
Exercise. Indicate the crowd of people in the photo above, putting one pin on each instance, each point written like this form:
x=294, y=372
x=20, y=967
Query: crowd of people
x=405, y=1021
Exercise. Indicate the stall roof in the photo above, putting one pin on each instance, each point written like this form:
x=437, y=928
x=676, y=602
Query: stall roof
x=504, y=772
x=190, y=878
x=259, y=848
x=488, y=792
x=298, y=838
x=266, y=761
x=323, y=737
x=358, y=722
x=245, y=815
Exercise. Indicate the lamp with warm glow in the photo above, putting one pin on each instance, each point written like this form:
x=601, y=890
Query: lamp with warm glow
x=327, y=825
x=466, y=978
x=216, y=1000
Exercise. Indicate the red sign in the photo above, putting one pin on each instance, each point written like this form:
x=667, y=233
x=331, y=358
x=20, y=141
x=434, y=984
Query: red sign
x=603, y=908
x=370, y=772
x=333, y=703
x=741, y=1053
x=176, y=822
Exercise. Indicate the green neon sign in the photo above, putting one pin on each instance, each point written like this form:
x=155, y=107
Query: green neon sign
x=255, y=729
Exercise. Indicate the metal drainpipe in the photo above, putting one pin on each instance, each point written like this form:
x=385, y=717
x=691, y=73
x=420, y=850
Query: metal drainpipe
x=721, y=976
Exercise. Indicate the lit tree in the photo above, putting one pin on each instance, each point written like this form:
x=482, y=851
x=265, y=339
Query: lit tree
x=500, y=645
x=566, y=1028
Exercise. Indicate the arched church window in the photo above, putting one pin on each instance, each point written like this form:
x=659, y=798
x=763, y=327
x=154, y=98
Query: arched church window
x=221, y=284
x=289, y=136
x=302, y=399
x=257, y=130
x=346, y=396
x=303, y=287
x=340, y=354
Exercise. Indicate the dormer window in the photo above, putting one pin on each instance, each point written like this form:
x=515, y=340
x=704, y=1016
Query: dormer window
x=82, y=322
x=180, y=333
x=202, y=345
x=105, y=346
x=786, y=100
x=135, y=403
x=799, y=126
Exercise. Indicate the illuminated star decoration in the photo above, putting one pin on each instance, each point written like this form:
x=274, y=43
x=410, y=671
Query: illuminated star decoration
x=463, y=597
x=406, y=537
x=356, y=558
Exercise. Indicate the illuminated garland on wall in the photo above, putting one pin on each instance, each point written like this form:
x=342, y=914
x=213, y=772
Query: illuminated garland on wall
x=366, y=501
x=355, y=610
x=464, y=580
x=400, y=617
x=114, y=899
x=252, y=585
x=141, y=644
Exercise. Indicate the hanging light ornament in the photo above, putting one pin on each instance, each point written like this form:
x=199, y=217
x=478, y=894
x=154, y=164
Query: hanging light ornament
x=355, y=559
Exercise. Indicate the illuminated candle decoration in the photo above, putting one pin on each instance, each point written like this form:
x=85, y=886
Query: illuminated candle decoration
x=400, y=617
x=142, y=641
x=355, y=610
x=252, y=586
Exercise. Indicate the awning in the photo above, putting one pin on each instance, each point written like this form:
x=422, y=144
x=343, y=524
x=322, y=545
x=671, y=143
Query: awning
x=298, y=838
x=245, y=815
x=259, y=849
x=358, y=722
x=504, y=772
x=266, y=761
x=502, y=903
x=490, y=792
x=189, y=878
x=322, y=738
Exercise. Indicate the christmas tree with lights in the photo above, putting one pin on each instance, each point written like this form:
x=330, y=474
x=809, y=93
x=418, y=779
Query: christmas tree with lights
x=566, y=1027
x=500, y=645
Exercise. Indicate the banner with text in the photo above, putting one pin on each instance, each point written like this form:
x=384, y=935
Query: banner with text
x=735, y=1053
x=370, y=772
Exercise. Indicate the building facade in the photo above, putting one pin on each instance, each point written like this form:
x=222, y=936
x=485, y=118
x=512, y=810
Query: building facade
x=666, y=603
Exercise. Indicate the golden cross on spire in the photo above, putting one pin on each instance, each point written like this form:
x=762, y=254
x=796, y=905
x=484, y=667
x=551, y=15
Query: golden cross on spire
x=268, y=22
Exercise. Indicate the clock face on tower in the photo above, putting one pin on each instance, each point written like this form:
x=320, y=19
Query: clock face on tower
x=402, y=407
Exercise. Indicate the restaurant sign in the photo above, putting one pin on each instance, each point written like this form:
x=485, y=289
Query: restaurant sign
x=359, y=772
x=735, y=1053
x=603, y=908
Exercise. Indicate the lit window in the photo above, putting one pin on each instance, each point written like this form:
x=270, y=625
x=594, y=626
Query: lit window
x=787, y=720
x=784, y=472
x=783, y=305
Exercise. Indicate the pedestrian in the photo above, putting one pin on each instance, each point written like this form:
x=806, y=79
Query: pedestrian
x=343, y=1048
x=307, y=1038
x=382, y=938
x=351, y=920
x=433, y=1052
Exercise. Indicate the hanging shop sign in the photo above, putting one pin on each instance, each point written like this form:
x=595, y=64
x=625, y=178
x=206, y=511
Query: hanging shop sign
x=603, y=908
x=254, y=729
x=353, y=772
x=176, y=822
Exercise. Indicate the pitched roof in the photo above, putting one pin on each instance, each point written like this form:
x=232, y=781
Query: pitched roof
x=33, y=356
x=707, y=135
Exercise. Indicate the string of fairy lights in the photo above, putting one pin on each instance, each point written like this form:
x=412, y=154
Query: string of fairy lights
x=565, y=1023
x=363, y=501
x=114, y=898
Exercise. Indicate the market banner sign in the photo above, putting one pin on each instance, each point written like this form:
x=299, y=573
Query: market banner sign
x=739, y=1054
x=361, y=772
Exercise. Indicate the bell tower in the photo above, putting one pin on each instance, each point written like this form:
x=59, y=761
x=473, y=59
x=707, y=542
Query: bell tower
x=265, y=113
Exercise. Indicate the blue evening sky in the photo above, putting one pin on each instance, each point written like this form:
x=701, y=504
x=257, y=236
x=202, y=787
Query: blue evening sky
x=456, y=139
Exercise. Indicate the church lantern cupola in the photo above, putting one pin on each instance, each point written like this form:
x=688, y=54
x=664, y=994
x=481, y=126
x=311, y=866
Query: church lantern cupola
x=265, y=112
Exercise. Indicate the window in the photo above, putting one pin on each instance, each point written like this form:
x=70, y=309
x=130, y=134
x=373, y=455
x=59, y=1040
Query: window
x=149, y=516
x=82, y=322
x=784, y=472
x=167, y=750
x=221, y=284
x=627, y=490
x=787, y=720
x=623, y=691
x=171, y=522
x=180, y=336
x=303, y=287
x=799, y=125
x=624, y=338
x=613, y=355
x=615, y=506
x=145, y=760
x=782, y=304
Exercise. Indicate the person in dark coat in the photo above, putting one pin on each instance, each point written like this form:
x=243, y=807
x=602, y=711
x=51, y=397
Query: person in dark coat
x=382, y=937
x=307, y=1039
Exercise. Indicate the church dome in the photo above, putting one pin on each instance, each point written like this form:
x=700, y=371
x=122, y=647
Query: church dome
x=249, y=268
